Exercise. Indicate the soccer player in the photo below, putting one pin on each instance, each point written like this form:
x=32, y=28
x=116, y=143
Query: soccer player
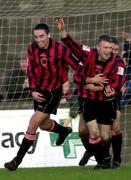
x=96, y=101
x=47, y=64
x=116, y=139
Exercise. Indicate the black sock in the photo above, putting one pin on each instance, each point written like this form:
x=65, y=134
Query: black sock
x=95, y=147
x=106, y=148
x=97, y=151
x=85, y=142
x=116, y=147
x=25, y=145
x=57, y=128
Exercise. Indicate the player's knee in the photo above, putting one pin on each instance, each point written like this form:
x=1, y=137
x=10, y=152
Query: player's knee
x=115, y=127
x=116, y=132
x=94, y=133
x=105, y=138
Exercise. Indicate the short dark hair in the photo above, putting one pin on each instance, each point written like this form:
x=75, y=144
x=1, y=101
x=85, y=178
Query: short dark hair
x=104, y=37
x=42, y=26
x=114, y=40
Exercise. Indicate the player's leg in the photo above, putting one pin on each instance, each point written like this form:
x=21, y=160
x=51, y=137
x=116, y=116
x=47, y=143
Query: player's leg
x=28, y=140
x=116, y=141
x=88, y=109
x=105, y=132
x=50, y=107
x=106, y=112
x=84, y=136
x=40, y=119
x=62, y=131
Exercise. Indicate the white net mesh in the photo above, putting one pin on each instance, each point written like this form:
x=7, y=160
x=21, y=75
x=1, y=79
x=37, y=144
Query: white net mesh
x=85, y=21
x=47, y=8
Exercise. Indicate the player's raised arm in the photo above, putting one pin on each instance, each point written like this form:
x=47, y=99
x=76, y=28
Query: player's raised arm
x=80, y=51
x=60, y=25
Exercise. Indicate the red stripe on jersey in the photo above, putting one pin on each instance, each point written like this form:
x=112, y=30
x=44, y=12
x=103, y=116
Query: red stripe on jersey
x=89, y=59
x=47, y=68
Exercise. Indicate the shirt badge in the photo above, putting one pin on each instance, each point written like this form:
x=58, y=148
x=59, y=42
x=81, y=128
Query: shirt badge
x=120, y=71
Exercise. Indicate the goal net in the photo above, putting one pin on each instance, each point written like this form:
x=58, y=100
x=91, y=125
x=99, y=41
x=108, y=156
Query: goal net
x=85, y=21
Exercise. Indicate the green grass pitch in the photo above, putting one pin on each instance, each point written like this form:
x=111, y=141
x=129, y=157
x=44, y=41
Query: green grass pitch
x=67, y=173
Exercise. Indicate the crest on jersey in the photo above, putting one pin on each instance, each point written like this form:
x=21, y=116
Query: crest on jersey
x=120, y=71
x=86, y=48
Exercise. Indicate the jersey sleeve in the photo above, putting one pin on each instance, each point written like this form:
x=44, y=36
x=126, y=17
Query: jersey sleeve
x=30, y=70
x=81, y=52
x=118, y=75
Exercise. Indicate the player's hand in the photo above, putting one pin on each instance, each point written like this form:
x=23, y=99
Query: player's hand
x=63, y=101
x=60, y=25
x=124, y=90
x=100, y=79
x=93, y=87
x=109, y=92
x=37, y=96
x=126, y=36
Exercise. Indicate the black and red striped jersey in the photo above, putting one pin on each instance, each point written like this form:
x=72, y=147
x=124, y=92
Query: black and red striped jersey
x=113, y=69
x=47, y=68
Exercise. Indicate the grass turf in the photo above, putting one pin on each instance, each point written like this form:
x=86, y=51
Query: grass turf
x=67, y=173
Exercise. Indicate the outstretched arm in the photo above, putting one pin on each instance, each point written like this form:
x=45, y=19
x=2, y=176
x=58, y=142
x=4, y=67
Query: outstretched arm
x=80, y=52
x=60, y=25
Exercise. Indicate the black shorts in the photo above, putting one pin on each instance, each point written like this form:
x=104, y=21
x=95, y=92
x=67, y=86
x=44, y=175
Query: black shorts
x=117, y=104
x=103, y=111
x=52, y=100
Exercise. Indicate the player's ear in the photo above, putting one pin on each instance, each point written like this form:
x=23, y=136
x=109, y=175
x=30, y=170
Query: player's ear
x=97, y=47
x=49, y=35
